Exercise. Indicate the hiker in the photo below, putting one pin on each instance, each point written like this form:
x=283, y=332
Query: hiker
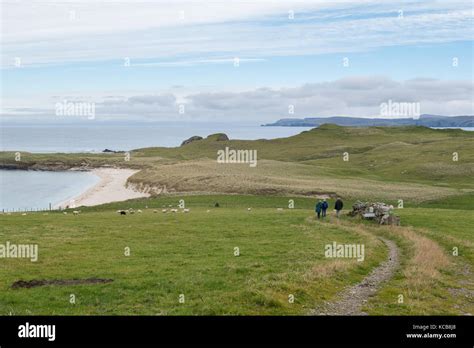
x=318, y=208
x=324, y=207
x=338, y=206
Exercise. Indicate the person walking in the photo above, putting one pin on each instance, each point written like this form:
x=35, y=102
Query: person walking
x=338, y=206
x=324, y=207
x=318, y=208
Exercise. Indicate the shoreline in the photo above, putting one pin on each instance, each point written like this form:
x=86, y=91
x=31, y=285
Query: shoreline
x=110, y=188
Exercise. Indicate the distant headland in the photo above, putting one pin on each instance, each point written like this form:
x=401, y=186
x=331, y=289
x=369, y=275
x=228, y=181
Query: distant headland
x=423, y=120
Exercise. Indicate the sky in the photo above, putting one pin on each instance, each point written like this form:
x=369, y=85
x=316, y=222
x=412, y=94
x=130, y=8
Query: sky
x=233, y=60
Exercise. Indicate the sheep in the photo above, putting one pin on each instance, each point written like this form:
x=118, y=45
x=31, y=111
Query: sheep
x=280, y=209
x=139, y=211
x=164, y=210
x=185, y=210
x=249, y=209
x=23, y=214
x=75, y=212
x=122, y=212
x=208, y=211
x=155, y=211
x=174, y=210
x=65, y=213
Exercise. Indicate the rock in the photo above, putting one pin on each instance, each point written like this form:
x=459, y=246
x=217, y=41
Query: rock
x=112, y=151
x=380, y=212
x=218, y=137
x=192, y=139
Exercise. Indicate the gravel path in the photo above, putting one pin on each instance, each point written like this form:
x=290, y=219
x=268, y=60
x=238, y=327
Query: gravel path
x=352, y=299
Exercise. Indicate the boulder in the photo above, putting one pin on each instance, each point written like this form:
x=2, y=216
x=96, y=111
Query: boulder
x=380, y=212
x=218, y=137
x=190, y=140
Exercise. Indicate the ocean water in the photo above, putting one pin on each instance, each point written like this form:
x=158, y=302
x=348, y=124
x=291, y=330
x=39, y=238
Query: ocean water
x=96, y=138
x=31, y=190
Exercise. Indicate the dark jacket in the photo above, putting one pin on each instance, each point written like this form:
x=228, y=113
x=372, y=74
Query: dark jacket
x=338, y=205
x=318, y=207
x=325, y=205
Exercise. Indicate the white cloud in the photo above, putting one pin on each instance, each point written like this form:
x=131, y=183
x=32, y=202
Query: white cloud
x=212, y=31
x=352, y=96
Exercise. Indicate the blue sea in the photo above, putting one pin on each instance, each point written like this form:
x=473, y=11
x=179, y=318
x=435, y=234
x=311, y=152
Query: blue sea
x=36, y=190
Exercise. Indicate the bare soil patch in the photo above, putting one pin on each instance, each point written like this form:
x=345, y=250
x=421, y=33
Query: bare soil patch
x=20, y=284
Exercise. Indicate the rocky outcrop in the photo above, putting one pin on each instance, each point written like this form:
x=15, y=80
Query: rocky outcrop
x=212, y=137
x=380, y=212
x=218, y=137
x=112, y=151
x=190, y=140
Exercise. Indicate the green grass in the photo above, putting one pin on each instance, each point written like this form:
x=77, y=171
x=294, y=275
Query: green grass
x=281, y=253
x=449, y=224
x=173, y=254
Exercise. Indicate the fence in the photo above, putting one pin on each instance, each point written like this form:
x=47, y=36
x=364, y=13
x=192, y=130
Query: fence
x=31, y=210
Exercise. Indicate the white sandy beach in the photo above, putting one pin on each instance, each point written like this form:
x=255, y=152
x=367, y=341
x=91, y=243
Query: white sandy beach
x=110, y=188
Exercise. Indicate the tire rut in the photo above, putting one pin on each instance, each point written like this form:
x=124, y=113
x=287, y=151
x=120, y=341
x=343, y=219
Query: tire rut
x=352, y=300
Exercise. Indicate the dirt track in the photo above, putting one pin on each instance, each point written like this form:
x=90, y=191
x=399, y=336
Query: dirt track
x=353, y=299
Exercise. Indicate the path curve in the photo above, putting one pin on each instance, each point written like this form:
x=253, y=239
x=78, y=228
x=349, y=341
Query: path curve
x=352, y=299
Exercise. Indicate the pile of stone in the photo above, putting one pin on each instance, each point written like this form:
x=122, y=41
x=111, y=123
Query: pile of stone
x=380, y=212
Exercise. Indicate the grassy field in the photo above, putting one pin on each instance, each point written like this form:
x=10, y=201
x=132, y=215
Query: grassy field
x=281, y=252
x=437, y=275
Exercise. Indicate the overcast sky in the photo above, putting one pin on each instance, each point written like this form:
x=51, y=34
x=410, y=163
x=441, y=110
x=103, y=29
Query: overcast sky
x=235, y=60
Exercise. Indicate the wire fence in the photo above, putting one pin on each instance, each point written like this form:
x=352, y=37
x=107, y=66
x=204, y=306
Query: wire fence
x=31, y=210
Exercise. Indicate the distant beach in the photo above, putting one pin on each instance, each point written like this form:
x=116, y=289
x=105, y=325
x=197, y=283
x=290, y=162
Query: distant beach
x=27, y=190
x=110, y=188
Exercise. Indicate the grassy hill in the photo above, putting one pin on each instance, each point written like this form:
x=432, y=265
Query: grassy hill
x=410, y=163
